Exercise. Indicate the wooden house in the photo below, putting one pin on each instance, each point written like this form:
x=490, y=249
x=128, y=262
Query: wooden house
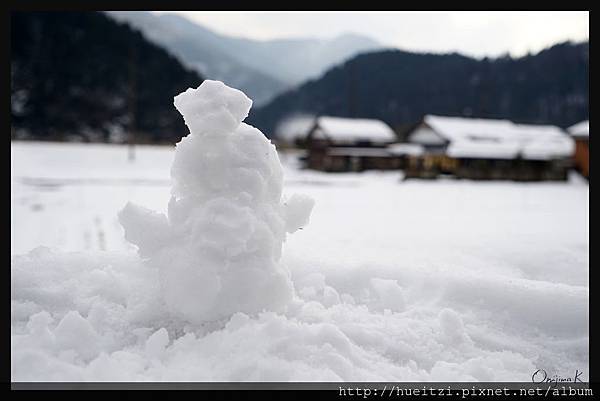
x=580, y=132
x=490, y=149
x=349, y=144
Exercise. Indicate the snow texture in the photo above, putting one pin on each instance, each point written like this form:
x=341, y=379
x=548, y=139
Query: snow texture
x=393, y=280
x=218, y=249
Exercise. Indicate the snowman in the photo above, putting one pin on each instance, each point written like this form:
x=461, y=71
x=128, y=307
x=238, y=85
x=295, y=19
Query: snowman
x=218, y=248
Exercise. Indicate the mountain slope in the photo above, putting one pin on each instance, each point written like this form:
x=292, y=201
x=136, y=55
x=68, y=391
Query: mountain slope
x=262, y=69
x=202, y=50
x=81, y=74
x=400, y=87
x=295, y=60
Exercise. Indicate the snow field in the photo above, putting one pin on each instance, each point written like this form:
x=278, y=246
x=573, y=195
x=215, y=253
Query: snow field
x=390, y=281
x=514, y=273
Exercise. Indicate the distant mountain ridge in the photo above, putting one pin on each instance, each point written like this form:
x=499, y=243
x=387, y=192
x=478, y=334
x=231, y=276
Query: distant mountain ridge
x=262, y=69
x=400, y=87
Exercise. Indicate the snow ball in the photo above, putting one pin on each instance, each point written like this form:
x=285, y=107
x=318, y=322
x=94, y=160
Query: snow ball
x=156, y=343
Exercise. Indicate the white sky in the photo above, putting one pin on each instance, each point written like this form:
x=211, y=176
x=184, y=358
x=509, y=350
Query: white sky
x=477, y=33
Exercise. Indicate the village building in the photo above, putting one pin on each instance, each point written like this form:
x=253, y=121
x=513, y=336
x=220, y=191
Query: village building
x=405, y=153
x=489, y=149
x=580, y=132
x=339, y=144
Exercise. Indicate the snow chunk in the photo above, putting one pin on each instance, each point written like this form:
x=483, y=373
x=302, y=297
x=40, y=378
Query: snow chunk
x=38, y=329
x=237, y=320
x=76, y=333
x=218, y=249
x=143, y=227
x=156, y=343
x=390, y=294
x=297, y=211
x=453, y=330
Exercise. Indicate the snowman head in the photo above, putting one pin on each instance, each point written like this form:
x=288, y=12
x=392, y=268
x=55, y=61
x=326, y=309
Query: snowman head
x=213, y=108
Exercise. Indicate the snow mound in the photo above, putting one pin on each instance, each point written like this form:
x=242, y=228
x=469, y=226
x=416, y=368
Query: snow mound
x=219, y=246
x=99, y=316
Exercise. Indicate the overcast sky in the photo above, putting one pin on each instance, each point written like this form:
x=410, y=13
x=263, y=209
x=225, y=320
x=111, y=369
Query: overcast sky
x=477, y=33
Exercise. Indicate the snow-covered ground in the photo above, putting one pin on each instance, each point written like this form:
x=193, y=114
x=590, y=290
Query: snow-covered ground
x=394, y=280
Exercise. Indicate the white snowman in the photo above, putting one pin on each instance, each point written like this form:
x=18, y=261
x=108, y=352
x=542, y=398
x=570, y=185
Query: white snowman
x=218, y=250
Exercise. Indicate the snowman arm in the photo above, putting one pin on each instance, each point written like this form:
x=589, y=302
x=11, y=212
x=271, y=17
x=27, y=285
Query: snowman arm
x=297, y=210
x=145, y=228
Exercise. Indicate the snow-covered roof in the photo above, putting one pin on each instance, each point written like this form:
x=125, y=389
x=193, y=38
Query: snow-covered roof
x=426, y=136
x=459, y=128
x=354, y=129
x=294, y=127
x=580, y=130
x=544, y=142
x=500, y=139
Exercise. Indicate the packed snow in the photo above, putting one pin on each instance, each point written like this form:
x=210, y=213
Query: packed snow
x=386, y=280
x=218, y=248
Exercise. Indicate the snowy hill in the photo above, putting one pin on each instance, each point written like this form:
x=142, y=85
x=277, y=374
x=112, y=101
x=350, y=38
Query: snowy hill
x=262, y=69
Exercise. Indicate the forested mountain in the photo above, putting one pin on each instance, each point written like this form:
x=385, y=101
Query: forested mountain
x=399, y=87
x=82, y=75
